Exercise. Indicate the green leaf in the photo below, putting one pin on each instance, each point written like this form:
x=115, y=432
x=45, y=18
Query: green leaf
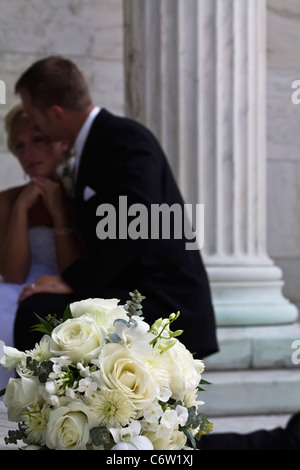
x=190, y=437
x=43, y=326
x=204, y=428
x=100, y=436
x=202, y=381
x=67, y=313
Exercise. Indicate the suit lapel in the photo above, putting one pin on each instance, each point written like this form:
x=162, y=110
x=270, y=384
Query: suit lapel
x=88, y=162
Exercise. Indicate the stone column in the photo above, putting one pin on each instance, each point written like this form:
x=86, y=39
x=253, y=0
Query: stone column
x=195, y=75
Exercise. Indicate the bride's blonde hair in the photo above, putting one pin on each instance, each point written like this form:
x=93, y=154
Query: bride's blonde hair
x=13, y=120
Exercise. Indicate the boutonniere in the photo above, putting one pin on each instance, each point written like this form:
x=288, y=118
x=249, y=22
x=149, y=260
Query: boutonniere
x=65, y=173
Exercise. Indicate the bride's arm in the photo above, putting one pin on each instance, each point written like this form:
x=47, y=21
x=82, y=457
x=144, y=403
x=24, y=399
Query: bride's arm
x=68, y=246
x=15, y=256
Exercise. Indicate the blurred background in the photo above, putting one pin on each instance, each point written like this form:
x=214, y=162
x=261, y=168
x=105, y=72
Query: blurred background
x=155, y=60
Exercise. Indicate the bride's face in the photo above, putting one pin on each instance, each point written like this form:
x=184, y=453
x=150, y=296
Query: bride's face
x=37, y=155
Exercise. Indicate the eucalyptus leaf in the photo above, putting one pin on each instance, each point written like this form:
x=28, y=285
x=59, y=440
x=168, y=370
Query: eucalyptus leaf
x=121, y=320
x=190, y=437
x=115, y=338
x=133, y=306
x=100, y=436
x=14, y=435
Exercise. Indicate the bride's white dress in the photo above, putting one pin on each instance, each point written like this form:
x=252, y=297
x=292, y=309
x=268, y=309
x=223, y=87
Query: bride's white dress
x=43, y=261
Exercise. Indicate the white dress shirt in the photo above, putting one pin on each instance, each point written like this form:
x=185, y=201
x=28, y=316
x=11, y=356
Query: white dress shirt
x=82, y=136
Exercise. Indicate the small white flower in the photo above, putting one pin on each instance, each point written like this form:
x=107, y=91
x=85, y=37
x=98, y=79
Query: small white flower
x=135, y=335
x=87, y=386
x=50, y=387
x=61, y=361
x=182, y=415
x=128, y=438
x=169, y=419
x=84, y=371
x=164, y=394
x=56, y=372
x=71, y=393
x=53, y=400
x=153, y=413
x=10, y=357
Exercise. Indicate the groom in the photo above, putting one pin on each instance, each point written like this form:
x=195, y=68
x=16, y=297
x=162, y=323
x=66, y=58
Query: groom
x=117, y=159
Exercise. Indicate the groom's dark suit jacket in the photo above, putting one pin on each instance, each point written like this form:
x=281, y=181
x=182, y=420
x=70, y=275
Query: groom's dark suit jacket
x=122, y=158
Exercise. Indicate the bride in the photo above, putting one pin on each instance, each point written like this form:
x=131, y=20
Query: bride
x=36, y=219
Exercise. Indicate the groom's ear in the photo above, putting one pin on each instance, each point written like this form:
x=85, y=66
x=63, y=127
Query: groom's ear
x=56, y=113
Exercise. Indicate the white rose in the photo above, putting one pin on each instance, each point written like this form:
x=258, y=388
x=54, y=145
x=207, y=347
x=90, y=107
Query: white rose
x=19, y=394
x=103, y=311
x=69, y=427
x=176, y=440
x=120, y=369
x=78, y=338
x=200, y=364
x=183, y=370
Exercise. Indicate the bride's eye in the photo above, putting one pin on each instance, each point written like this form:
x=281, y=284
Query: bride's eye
x=19, y=146
x=38, y=138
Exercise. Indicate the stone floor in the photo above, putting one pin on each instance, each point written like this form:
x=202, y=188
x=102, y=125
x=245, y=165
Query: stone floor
x=240, y=424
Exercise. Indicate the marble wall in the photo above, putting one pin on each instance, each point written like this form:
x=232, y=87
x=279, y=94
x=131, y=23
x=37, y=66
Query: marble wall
x=90, y=32
x=283, y=141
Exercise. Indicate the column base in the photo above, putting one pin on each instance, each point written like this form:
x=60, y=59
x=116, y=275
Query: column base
x=249, y=295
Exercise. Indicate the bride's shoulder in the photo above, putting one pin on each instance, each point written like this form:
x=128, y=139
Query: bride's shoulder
x=8, y=196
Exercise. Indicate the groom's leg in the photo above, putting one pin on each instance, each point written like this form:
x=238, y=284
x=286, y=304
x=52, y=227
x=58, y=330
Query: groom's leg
x=42, y=305
x=275, y=439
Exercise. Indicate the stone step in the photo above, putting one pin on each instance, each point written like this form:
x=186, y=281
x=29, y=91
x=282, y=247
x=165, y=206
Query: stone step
x=260, y=347
x=251, y=392
x=248, y=423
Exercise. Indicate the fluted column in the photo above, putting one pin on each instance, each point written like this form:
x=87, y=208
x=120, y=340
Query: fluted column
x=195, y=74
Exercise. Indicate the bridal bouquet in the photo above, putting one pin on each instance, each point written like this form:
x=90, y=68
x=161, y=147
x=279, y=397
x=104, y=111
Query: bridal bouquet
x=102, y=379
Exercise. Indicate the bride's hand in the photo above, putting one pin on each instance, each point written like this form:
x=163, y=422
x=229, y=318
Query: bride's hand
x=52, y=284
x=29, y=195
x=53, y=195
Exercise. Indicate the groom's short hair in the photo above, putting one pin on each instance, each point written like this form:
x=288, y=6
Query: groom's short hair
x=55, y=80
